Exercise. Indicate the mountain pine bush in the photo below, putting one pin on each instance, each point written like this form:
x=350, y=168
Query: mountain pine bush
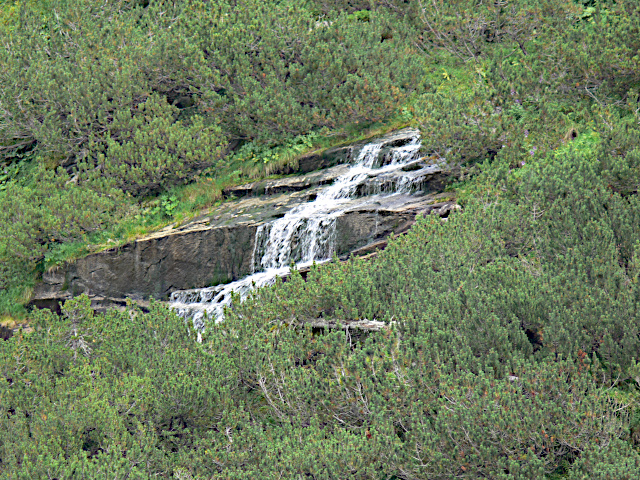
x=511, y=344
x=509, y=354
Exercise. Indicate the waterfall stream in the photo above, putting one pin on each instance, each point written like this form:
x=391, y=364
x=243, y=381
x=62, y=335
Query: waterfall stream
x=307, y=232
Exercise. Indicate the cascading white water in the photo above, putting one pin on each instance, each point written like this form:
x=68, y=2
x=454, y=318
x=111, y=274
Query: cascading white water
x=306, y=233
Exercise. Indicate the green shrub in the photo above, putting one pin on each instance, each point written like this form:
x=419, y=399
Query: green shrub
x=148, y=151
x=302, y=73
x=48, y=210
x=605, y=462
x=512, y=328
x=87, y=66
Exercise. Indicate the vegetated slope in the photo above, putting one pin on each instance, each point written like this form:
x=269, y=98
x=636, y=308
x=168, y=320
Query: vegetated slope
x=106, y=104
x=109, y=109
x=513, y=335
x=510, y=353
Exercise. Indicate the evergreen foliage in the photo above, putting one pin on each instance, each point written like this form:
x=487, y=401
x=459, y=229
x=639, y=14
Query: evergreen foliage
x=512, y=337
x=144, y=96
x=511, y=328
x=279, y=70
x=151, y=152
x=46, y=211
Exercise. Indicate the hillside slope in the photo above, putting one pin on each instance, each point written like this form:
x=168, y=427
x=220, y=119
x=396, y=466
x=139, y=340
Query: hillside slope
x=508, y=339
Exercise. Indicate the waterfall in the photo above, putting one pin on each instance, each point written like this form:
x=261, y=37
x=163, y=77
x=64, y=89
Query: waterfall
x=307, y=232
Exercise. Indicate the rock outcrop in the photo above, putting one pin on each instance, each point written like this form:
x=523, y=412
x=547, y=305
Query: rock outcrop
x=218, y=247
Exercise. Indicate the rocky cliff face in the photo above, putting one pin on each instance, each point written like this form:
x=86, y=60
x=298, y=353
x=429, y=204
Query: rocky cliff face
x=218, y=247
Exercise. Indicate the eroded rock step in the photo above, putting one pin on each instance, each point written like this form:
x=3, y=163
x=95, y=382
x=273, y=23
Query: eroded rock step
x=217, y=247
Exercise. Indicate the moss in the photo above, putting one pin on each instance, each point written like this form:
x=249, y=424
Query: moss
x=219, y=277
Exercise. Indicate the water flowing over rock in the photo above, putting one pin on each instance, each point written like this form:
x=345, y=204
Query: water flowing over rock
x=363, y=194
x=307, y=233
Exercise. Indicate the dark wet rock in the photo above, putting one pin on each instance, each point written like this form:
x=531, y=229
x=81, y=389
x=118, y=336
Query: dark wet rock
x=156, y=266
x=218, y=246
x=288, y=184
x=199, y=255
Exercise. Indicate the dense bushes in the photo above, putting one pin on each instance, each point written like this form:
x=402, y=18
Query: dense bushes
x=47, y=211
x=510, y=354
x=151, y=152
x=533, y=73
x=513, y=332
x=279, y=70
x=263, y=71
x=143, y=96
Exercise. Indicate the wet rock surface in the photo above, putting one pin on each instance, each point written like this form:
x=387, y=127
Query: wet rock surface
x=218, y=247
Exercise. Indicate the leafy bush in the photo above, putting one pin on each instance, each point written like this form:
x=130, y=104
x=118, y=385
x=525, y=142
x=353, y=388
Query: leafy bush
x=90, y=67
x=147, y=151
x=612, y=460
x=86, y=64
x=301, y=73
x=47, y=211
x=514, y=324
x=511, y=328
x=467, y=29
